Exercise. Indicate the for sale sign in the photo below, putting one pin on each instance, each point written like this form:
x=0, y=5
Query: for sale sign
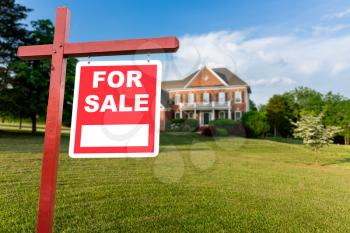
x=116, y=109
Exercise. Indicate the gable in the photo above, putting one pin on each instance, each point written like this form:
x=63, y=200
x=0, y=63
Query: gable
x=205, y=78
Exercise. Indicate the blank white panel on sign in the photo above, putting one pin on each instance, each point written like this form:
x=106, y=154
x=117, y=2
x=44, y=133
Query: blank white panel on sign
x=114, y=135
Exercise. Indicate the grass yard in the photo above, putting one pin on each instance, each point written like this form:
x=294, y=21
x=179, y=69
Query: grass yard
x=196, y=184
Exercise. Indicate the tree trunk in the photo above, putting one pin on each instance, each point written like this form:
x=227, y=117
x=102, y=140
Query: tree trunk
x=33, y=118
x=317, y=162
x=274, y=131
x=346, y=140
x=20, y=122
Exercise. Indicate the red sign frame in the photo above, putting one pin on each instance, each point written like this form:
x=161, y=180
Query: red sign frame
x=112, y=133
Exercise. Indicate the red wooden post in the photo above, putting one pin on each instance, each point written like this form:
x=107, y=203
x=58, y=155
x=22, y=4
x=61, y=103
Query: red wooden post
x=58, y=52
x=53, y=124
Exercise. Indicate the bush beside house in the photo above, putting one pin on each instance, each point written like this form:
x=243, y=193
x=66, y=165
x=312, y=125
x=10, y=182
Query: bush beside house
x=223, y=128
x=183, y=125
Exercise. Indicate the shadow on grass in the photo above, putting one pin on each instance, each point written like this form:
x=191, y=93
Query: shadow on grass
x=12, y=141
x=181, y=138
x=284, y=140
x=338, y=161
x=15, y=141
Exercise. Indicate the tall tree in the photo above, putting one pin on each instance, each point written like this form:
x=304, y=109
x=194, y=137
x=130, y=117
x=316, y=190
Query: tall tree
x=256, y=123
x=12, y=34
x=279, y=115
x=304, y=99
x=338, y=113
x=30, y=82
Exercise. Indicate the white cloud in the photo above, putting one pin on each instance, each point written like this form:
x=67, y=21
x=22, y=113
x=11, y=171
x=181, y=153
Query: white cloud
x=270, y=82
x=270, y=64
x=337, y=15
x=317, y=30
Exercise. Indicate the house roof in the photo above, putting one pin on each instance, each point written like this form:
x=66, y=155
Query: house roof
x=225, y=74
x=178, y=83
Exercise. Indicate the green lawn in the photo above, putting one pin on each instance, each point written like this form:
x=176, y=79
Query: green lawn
x=196, y=184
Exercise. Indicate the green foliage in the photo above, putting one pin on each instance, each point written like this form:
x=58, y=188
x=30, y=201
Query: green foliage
x=177, y=121
x=313, y=133
x=190, y=125
x=256, y=123
x=221, y=132
x=183, y=125
x=223, y=122
x=231, y=126
x=278, y=115
x=271, y=181
x=252, y=106
x=12, y=30
x=338, y=113
x=28, y=95
x=304, y=99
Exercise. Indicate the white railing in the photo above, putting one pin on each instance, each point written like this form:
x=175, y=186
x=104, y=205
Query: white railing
x=213, y=104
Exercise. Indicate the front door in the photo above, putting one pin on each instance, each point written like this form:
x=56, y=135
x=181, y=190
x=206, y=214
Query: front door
x=206, y=118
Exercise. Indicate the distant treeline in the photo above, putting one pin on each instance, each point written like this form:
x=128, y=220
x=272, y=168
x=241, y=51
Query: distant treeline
x=276, y=117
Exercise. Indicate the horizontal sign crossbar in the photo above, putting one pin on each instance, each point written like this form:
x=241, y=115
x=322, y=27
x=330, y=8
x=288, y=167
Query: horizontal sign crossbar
x=102, y=48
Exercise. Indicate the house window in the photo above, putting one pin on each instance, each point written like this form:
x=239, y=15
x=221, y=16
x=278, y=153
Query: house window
x=222, y=97
x=238, y=97
x=177, y=115
x=190, y=115
x=222, y=115
x=190, y=98
x=238, y=115
x=206, y=98
x=177, y=98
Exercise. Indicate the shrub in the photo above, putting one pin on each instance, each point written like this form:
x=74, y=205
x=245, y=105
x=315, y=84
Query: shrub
x=227, y=124
x=183, y=125
x=222, y=132
x=177, y=121
x=190, y=125
x=256, y=123
x=223, y=122
x=207, y=131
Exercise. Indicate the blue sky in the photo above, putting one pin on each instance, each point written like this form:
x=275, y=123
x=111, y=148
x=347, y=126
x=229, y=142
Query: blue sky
x=273, y=45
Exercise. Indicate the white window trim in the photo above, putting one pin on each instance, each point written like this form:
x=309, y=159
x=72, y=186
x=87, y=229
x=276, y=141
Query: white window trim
x=191, y=117
x=177, y=99
x=240, y=115
x=206, y=93
x=224, y=97
x=240, y=99
x=224, y=116
x=188, y=99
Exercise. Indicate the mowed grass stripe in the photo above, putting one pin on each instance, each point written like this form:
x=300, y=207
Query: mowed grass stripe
x=196, y=184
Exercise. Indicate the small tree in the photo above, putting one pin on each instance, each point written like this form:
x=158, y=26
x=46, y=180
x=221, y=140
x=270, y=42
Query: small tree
x=314, y=134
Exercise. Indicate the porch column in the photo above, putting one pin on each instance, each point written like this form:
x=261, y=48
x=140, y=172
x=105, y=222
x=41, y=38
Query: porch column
x=180, y=110
x=195, y=110
x=213, y=114
x=229, y=110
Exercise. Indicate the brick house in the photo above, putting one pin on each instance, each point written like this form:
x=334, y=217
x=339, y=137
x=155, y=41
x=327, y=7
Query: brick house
x=205, y=95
